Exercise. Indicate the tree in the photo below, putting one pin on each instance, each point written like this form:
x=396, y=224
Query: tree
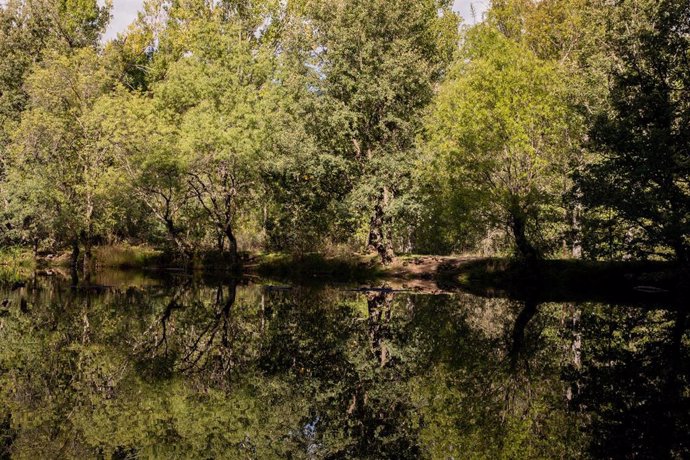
x=374, y=66
x=217, y=92
x=59, y=159
x=643, y=141
x=568, y=33
x=29, y=30
x=499, y=139
x=195, y=140
x=143, y=144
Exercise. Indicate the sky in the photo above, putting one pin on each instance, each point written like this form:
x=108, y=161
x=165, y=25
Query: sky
x=125, y=11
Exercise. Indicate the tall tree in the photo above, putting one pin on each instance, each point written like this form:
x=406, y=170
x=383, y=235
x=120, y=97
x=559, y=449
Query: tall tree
x=499, y=139
x=143, y=143
x=59, y=159
x=217, y=90
x=571, y=34
x=643, y=170
x=375, y=64
x=205, y=119
x=29, y=29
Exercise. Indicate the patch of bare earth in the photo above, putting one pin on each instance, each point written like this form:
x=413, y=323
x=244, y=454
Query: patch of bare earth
x=426, y=267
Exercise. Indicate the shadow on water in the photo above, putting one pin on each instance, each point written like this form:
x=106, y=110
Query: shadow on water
x=648, y=284
x=176, y=366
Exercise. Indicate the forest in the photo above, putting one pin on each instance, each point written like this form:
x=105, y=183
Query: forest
x=210, y=131
x=345, y=229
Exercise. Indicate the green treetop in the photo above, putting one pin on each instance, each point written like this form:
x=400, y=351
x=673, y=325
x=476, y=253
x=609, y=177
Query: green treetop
x=499, y=137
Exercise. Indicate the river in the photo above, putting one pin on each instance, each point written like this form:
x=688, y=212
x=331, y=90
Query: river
x=176, y=366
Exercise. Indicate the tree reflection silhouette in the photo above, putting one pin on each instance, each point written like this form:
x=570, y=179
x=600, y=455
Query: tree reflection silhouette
x=194, y=369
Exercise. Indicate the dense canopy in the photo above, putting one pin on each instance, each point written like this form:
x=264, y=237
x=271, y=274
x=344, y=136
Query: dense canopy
x=554, y=128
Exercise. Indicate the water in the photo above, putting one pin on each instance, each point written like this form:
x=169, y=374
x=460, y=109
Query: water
x=182, y=368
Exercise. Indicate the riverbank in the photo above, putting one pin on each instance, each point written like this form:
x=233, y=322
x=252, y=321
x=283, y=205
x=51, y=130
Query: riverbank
x=15, y=265
x=549, y=280
x=566, y=280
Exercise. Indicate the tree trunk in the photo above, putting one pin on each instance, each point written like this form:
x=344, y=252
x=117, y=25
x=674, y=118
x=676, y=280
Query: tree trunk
x=681, y=251
x=88, y=254
x=518, y=226
x=232, y=245
x=181, y=246
x=576, y=225
x=378, y=240
x=220, y=242
x=87, y=237
x=74, y=261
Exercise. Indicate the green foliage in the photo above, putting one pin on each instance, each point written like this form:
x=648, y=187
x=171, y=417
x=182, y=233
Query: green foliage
x=191, y=370
x=500, y=142
x=642, y=169
x=373, y=71
x=16, y=265
x=57, y=96
x=60, y=169
x=208, y=128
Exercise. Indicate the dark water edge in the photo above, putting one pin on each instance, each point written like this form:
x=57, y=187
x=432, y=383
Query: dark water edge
x=183, y=366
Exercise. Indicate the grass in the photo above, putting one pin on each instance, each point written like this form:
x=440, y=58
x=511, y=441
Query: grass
x=16, y=264
x=126, y=257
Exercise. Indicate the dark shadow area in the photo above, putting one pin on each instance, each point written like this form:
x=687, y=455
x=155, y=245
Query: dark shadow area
x=652, y=284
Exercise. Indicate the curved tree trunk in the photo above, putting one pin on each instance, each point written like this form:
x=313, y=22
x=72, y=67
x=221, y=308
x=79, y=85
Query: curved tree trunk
x=518, y=226
x=379, y=241
x=519, y=332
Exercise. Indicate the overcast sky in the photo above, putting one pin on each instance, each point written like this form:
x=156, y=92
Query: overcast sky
x=125, y=11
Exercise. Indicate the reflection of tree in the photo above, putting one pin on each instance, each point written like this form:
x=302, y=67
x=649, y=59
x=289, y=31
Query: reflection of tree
x=218, y=326
x=379, y=308
x=360, y=409
x=195, y=370
x=572, y=336
x=492, y=391
x=518, y=343
x=203, y=326
x=310, y=371
x=7, y=435
x=108, y=395
x=635, y=377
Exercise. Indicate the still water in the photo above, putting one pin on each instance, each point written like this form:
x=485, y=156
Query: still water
x=178, y=367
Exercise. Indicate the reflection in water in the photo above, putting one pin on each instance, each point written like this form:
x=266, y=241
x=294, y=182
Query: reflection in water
x=186, y=369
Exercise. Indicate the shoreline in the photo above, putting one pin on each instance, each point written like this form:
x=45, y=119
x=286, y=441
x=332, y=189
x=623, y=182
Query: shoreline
x=552, y=280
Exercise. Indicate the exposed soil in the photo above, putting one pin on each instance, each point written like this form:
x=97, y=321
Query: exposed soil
x=426, y=267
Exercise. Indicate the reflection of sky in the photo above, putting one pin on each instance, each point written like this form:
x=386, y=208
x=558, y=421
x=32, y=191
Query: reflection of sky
x=125, y=11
